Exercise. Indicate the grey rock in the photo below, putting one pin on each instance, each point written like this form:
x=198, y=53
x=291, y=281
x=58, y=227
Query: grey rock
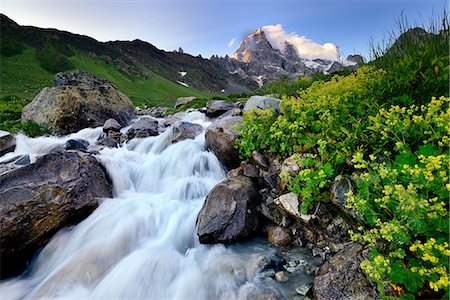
x=172, y=119
x=279, y=236
x=342, y=278
x=250, y=170
x=185, y=130
x=144, y=127
x=76, y=144
x=14, y=163
x=78, y=100
x=111, y=125
x=216, y=108
x=356, y=58
x=220, y=137
x=341, y=186
x=36, y=200
x=183, y=101
x=229, y=212
x=260, y=160
x=334, y=67
x=262, y=102
x=272, y=213
x=108, y=142
x=7, y=142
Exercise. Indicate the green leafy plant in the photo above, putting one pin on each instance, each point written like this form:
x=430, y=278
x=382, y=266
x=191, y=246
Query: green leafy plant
x=403, y=201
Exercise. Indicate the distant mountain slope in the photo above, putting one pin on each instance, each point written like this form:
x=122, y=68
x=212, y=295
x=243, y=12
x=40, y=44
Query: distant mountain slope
x=31, y=56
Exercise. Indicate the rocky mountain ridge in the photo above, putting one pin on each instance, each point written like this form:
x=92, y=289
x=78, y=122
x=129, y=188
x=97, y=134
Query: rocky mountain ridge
x=256, y=58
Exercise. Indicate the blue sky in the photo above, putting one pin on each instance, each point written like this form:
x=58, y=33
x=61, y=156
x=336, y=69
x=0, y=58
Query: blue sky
x=206, y=27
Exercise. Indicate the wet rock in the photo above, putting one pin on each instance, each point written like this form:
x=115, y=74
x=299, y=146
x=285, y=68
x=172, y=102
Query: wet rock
x=303, y=289
x=235, y=172
x=185, y=130
x=262, y=102
x=342, y=278
x=7, y=142
x=172, y=119
x=281, y=276
x=250, y=170
x=341, y=186
x=276, y=263
x=78, y=100
x=216, y=108
x=183, y=101
x=272, y=213
x=220, y=137
x=260, y=160
x=157, y=112
x=14, y=163
x=229, y=212
x=144, y=127
x=279, y=236
x=108, y=142
x=59, y=189
x=272, y=182
x=77, y=144
x=111, y=125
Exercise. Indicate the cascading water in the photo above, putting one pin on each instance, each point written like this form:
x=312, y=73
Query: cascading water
x=141, y=244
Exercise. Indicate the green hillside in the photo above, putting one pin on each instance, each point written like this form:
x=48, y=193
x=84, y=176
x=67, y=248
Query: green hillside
x=22, y=75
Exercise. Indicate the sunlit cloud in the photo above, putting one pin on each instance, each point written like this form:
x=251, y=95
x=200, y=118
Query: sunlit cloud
x=231, y=43
x=305, y=47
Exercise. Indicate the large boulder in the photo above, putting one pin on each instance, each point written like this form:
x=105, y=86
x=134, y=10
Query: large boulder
x=216, y=108
x=7, y=142
x=342, y=278
x=220, y=137
x=36, y=200
x=183, y=101
x=262, y=102
x=144, y=127
x=184, y=130
x=229, y=212
x=76, y=101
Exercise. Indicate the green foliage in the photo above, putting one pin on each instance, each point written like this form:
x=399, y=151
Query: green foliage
x=23, y=75
x=52, y=60
x=9, y=46
x=416, y=61
x=403, y=201
x=379, y=126
x=10, y=113
x=285, y=87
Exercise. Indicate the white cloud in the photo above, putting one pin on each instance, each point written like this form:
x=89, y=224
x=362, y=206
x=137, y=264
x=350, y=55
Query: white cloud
x=231, y=43
x=306, y=48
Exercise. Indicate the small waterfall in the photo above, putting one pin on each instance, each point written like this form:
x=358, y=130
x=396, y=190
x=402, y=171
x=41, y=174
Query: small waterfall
x=141, y=244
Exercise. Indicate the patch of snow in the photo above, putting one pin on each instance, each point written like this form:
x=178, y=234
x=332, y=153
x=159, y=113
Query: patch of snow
x=347, y=63
x=312, y=64
x=182, y=73
x=182, y=83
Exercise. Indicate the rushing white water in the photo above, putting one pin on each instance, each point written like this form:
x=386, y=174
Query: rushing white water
x=140, y=244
